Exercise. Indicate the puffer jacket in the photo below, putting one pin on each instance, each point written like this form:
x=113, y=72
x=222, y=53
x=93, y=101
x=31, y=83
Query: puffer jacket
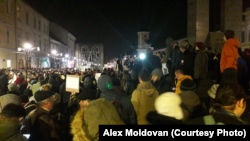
x=229, y=54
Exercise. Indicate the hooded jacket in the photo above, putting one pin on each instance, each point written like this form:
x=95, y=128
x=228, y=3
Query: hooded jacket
x=143, y=99
x=10, y=130
x=85, y=125
x=229, y=54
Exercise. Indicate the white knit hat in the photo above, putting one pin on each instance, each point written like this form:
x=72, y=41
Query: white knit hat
x=212, y=91
x=168, y=104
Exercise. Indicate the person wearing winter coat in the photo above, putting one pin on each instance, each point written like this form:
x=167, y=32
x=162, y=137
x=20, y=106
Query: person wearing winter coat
x=168, y=110
x=229, y=53
x=143, y=97
x=92, y=113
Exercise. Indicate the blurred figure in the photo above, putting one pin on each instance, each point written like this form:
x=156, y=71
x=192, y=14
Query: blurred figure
x=107, y=91
x=229, y=53
x=168, y=110
x=160, y=81
x=186, y=60
x=9, y=98
x=143, y=97
x=4, y=80
x=13, y=89
x=200, y=62
x=85, y=125
x=229, y=105
x=127, y=84
x=10, y=118
x=39, y=122
x=179, y=75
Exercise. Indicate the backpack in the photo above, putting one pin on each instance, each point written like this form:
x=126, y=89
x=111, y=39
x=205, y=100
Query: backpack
x=122, y=112
x=209, y=120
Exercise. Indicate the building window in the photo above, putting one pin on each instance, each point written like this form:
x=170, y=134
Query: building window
x=27, y=18
x=18, y=12
x=39, y=25
x=34, y=22
x=27, y=35
x=8, y=36
x=243, y=36
x=8, y=63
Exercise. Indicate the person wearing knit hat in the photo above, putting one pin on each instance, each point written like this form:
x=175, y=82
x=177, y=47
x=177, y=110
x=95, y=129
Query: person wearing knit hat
x=43, y=95
x=185, y=59
x=188, y=85
x=105, y=85
x=199, y=46
x=168, y=110
x=184, y=44
x=160, y=81
x=200, y=62
x=156, y=74
x=45, y=128
x=190, y=100
x=180, y=77
x=168, y=104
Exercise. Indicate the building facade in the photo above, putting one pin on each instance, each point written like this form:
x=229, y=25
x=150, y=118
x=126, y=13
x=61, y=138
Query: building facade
x=32, y=28
x=63, y=42
x=245, y=34
x=19, y=24
x=8, y=45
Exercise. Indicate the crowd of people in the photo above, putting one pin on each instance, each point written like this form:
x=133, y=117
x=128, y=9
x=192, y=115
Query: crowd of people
x=201, y=86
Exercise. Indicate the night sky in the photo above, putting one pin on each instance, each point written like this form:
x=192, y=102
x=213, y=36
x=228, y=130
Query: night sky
x=115, y=23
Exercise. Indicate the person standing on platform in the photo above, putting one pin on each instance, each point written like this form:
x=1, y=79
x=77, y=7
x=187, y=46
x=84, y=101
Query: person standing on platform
x=229, y=53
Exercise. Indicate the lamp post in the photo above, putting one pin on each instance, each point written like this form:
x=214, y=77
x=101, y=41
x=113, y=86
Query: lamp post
x=27, y=49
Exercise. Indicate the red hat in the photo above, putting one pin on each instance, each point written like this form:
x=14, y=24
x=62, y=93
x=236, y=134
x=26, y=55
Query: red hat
x=200, y=45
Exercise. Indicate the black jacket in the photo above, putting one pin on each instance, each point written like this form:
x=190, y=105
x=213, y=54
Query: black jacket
x=220, y=116
x=156, y=119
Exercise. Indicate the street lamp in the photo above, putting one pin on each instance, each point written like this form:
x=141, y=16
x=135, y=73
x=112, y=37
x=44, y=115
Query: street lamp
x=142, y=56
x=27, y=49
x=54, y=52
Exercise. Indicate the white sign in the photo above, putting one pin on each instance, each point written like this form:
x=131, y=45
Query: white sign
x=72, y=83
x=97, y=75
